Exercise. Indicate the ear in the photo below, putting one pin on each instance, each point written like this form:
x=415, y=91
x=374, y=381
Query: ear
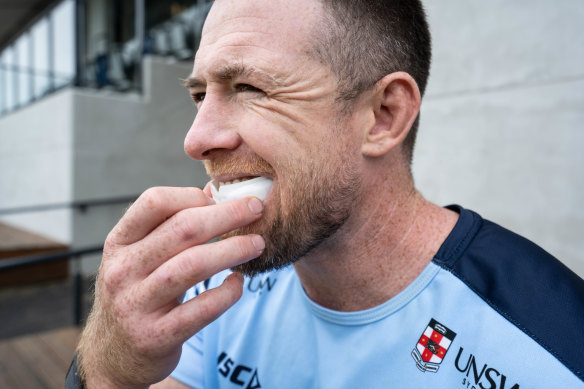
x=396, y=103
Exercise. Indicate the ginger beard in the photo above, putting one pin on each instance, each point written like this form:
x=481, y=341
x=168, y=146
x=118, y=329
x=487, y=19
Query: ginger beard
x=317, y=201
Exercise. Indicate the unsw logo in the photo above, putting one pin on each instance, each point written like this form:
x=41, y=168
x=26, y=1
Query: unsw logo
x=432, y=346
x=481, y=376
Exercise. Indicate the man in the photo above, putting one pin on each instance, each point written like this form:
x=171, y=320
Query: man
x=358, y=282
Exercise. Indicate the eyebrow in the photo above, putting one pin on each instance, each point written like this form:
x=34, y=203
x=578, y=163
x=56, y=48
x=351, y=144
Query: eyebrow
x=230, y=72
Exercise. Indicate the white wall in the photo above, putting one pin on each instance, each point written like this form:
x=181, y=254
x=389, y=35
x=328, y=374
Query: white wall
x=501, y=129
x=36, y=164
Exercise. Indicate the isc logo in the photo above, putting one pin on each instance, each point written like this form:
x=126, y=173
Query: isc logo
x=240, y=375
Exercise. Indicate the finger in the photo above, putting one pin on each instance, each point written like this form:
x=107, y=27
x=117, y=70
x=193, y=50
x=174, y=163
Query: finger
x=152, y=208
x=196, y=264
x=192, y=227
x=207, y=190
x=187, y=319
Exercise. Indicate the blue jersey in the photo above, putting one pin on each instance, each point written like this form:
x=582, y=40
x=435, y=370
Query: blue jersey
x=491, y=311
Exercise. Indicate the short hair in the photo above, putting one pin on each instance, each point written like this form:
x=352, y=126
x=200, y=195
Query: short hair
x=364, y=40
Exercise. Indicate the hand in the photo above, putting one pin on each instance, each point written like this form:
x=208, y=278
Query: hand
x=157, y=251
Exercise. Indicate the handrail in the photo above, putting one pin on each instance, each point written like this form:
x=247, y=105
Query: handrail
x=81, y=204
x=75, y=255
x=15, y=262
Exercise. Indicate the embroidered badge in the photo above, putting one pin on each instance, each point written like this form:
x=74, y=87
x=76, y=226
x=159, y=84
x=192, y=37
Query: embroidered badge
x=432, y=346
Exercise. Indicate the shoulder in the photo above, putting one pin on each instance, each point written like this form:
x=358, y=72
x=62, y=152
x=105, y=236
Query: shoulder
x=521, y=281
x=501, y=265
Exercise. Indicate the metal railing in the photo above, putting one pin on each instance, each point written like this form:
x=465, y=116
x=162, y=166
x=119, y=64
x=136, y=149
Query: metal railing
x=74, y=255
x=82, y=205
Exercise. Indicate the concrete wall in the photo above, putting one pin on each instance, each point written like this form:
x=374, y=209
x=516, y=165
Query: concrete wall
x=502, y=120
x=36, y=164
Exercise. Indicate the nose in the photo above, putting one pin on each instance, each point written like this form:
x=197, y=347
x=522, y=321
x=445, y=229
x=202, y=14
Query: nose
x=214, y=129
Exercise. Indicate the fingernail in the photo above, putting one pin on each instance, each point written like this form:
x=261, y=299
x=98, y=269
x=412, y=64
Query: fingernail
x=255, y=205
x=258, y=242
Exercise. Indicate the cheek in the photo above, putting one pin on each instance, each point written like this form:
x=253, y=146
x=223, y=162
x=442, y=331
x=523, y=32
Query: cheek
x=283, y=125
x=264, y=140
x=269, y=142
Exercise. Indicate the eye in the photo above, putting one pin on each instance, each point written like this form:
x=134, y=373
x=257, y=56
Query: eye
x=247, y=88
x=198, y=97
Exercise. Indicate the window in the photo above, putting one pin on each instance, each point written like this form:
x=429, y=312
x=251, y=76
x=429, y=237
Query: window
x=40, y=55
x=23, y=70
x=63, y=18
x=9, y=76
x=40, y=60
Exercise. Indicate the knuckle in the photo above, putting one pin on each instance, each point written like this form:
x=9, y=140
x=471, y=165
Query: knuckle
x=189, y=266
x=112, y=277
x=153, y=198
x=182, y=270
x=110, y=245
x=115, y=237
x=152, y=192
x=184, y=228
x=165, y=277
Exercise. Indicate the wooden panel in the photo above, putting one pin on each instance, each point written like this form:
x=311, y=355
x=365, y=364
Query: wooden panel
x=33, y=273
x=16, y=242
x=37, y=361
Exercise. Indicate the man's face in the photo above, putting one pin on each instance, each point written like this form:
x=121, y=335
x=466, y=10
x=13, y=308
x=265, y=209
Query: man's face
x=267, y=108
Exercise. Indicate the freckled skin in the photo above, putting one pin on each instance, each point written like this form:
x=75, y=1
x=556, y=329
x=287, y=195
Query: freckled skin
x=137, y=320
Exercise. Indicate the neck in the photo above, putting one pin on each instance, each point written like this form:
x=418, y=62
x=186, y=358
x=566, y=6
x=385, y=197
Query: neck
x=377, y=253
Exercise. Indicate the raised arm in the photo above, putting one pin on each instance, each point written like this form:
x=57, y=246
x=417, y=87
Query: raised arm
x=157, y=251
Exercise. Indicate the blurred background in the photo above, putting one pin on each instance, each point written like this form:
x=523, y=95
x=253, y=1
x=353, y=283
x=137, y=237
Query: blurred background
x=92, y=112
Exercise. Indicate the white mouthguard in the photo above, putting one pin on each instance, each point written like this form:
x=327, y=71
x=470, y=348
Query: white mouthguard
x=258, y=187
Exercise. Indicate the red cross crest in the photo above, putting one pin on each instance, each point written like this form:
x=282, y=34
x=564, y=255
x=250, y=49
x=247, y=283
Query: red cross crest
x=432, y=346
